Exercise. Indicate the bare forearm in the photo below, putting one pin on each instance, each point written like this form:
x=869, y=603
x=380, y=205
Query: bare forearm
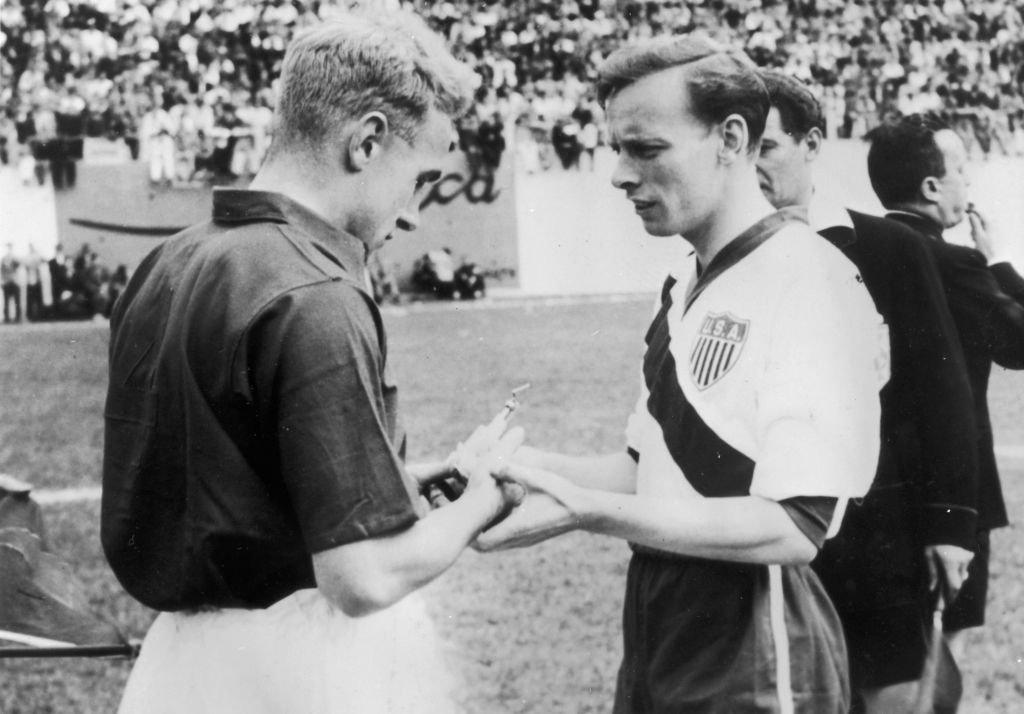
x=614, y=472
x=744, y=529
x=374, y=574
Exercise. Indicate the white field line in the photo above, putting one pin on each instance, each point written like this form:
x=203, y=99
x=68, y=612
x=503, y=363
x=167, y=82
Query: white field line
x=52, y=496
x=59, y=496
x=32, y=640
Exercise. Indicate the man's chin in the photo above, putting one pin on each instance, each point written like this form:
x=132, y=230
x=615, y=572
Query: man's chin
x=658, y=229
x=955, y=220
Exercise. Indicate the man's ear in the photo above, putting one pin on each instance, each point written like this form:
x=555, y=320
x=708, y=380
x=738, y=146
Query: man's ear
x=734, y=135
x=813, y=139
x=366, y=141
x=931, y=189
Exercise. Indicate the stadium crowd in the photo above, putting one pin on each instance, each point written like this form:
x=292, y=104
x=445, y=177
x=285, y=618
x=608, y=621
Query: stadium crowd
x=192, y=80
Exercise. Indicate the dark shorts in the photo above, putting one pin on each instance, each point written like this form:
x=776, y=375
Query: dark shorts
x=699, y=638
x=968, y=610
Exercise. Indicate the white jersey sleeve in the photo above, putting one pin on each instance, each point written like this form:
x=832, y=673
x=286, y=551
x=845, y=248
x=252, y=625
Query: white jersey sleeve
x=818, y=410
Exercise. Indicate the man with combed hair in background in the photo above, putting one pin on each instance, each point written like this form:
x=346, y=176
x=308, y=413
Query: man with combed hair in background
x=918, y=522
x=253, y=486
x=757, y=418
x=918, y=169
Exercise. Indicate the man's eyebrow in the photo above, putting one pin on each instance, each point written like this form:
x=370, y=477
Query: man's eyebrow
x=429, y=176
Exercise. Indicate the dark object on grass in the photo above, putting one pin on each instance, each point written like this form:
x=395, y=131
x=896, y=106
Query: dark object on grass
x=435, y=272
x=469, y=282
x=42, y=603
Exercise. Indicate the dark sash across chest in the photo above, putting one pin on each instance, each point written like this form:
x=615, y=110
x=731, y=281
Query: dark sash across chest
x=713, y=467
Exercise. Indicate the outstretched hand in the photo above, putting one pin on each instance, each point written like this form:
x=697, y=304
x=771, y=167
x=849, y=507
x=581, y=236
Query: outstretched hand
x=546, y=511
x=495, y=459
x=484, y=439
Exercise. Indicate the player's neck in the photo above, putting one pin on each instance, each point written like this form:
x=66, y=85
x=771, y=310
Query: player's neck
x=291, y=180
x=740, y=208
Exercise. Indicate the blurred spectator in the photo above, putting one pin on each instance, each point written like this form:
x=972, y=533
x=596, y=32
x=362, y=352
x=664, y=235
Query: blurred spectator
x=118, y=282
x=33, y=263
x=8, y=138
x=60, y=274
x=590, y=135
x=10, y=279
x=69, y=119
x=491, y=139
x=159, y=130
x=565, y=138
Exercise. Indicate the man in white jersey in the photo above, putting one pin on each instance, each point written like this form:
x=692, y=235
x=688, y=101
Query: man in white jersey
x=757, y=419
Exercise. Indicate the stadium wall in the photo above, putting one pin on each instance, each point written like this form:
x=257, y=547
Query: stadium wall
x=550, y=233
x=122, y=217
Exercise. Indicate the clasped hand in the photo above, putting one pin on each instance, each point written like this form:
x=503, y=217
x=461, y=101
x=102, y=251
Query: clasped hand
x=549, y=508
x=469, y=469
x=491, y=461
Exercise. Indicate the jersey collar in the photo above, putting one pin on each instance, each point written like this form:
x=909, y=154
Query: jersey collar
x=918, y=222
x=232, y=205
x=740, y=247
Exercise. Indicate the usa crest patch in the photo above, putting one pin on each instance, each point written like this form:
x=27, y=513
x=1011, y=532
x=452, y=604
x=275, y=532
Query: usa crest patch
x=717, y=347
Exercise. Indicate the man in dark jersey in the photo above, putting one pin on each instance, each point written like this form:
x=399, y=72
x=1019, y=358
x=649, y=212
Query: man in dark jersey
x=254, y=490
x=918, y=169
x=757, y=418
x=918, y=521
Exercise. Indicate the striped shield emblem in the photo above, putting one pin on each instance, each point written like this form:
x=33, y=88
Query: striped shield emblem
x=717, y=347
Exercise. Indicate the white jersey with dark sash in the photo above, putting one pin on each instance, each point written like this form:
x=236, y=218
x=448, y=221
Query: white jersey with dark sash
x=761, y=377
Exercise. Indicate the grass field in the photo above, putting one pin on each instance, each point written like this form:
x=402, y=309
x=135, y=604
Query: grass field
x=532, y=631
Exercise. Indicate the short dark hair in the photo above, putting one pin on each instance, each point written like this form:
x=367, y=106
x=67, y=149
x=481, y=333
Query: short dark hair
x=799, y=110
x=903, y=154
x=719, y=81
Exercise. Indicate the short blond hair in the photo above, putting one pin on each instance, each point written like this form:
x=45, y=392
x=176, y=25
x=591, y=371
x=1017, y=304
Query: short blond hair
x=340, y=70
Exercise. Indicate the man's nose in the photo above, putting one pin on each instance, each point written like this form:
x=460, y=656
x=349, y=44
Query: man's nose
x=624, y=176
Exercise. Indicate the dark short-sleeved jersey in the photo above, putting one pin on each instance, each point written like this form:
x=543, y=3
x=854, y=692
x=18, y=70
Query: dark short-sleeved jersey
x=250, y=420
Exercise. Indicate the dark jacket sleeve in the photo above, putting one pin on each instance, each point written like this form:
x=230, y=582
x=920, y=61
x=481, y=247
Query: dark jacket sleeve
x=990, y=303
x=945, y=417
x=931, y=394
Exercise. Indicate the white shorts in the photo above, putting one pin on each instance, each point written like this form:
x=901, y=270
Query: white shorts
x=300, y=656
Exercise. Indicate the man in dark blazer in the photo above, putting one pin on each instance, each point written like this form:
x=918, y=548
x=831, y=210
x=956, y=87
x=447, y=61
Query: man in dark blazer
x=919, y=518
x=917, y=169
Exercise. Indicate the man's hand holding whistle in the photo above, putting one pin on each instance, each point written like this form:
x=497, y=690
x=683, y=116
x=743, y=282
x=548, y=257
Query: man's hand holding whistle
x=470, y=465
